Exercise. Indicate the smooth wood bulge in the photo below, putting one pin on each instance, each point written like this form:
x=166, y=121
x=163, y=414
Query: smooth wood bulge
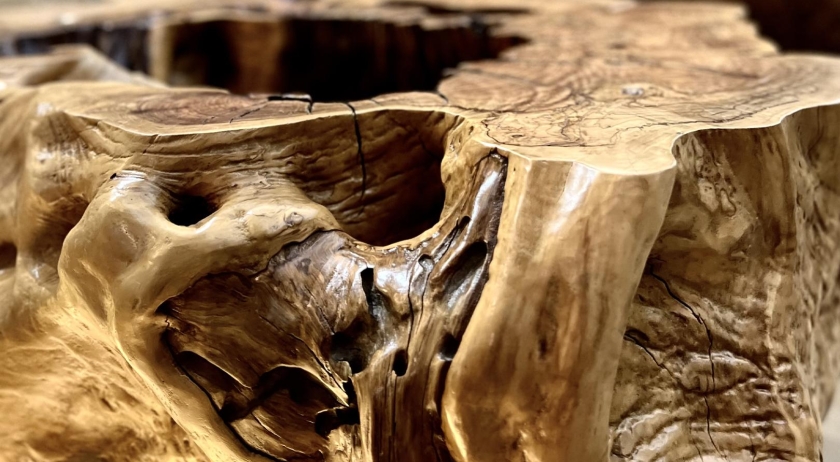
x=609, y=233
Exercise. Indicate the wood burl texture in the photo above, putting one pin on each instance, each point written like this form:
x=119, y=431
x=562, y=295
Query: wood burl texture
x=609, y=234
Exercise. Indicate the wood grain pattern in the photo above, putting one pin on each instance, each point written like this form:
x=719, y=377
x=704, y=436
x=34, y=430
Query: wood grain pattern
x=608, y=234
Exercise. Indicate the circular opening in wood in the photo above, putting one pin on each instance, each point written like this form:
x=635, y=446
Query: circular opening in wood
x=400, y=364
x=8, y=255
x=189, y=210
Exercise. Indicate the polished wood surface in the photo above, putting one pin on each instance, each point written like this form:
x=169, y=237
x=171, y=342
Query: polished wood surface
x=609, y=233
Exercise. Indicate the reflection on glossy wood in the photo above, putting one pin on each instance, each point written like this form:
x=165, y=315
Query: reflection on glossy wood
x=613, y=238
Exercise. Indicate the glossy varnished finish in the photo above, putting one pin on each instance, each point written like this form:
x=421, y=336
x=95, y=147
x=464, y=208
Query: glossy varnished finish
x=616, y=240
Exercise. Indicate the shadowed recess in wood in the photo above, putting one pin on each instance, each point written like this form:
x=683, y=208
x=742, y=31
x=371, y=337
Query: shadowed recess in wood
x=280, y=354
x=329, y=59
x=8, y=254
x=392, y=189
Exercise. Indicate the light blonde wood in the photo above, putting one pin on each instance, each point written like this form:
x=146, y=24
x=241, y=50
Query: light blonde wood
x=612, y=238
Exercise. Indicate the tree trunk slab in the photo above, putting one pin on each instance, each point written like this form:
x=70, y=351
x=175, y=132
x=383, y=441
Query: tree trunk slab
x=610, y=233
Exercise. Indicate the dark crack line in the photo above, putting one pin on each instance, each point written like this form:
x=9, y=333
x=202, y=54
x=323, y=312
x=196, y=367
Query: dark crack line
x=652, y=357
x=709, y=423
x=294, y=97
x=150, y=144
x=360, y=152
x=250, y=111
x=697, y=317
x=699, y=452
x=444, y=97
x=711, y=361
